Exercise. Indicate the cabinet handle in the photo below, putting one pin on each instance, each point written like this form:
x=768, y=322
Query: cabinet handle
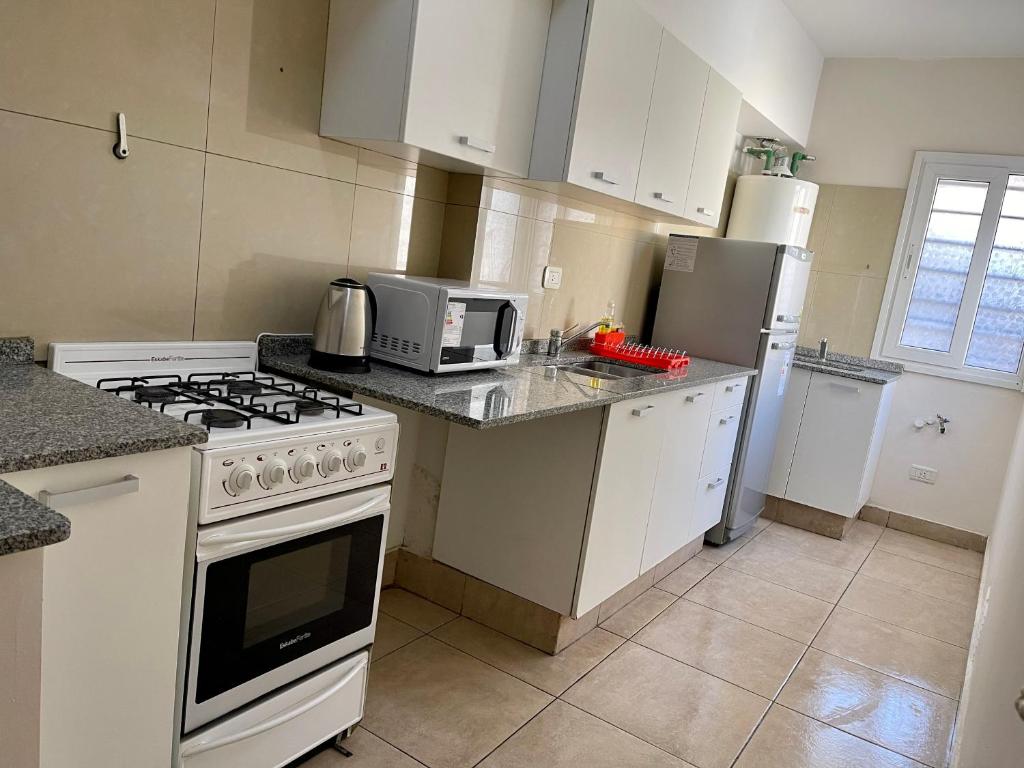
x=783, y=344
x=846, y=387
x=733, y=387
x=602, y=176
x=483, y=146
x=716, y=483
x=643, y=410
x=63, y=499
x=693, y=398
x=661, y=196
x=706, y=211
x=726, y=420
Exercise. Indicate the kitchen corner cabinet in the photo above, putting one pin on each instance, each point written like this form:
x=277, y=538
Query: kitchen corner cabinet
x=398, y=78
x=829, y=441
x=567, y=510
x=111, y=609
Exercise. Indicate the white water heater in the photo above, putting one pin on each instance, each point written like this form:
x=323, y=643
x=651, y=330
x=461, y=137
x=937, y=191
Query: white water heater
x=772, y=209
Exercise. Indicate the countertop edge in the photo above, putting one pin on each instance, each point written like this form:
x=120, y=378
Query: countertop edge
x=868, y=375
x=37, y=525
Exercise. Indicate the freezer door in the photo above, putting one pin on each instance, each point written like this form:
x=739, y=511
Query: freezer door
x=785, y=305
x=752, y=468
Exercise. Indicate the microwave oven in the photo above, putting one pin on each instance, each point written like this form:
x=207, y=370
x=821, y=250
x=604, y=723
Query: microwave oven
x=439, y=326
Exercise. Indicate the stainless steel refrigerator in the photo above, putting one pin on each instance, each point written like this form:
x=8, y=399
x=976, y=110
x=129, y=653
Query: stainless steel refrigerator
x=738, y=302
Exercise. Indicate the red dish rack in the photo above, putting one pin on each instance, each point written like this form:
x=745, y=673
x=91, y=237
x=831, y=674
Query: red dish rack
x=613, y=345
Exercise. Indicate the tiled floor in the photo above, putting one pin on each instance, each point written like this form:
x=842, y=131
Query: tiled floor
x=783, y=649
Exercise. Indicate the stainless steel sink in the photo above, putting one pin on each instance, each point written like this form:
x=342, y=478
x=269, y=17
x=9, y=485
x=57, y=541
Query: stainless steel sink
x=603, y=370
x=829, y=363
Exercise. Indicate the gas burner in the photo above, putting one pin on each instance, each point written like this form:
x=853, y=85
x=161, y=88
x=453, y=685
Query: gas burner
x=155, y=394
x=308, y=408
x=244, y=387
x=222, y=418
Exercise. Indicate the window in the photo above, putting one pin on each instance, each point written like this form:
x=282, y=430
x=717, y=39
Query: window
x=954, y=303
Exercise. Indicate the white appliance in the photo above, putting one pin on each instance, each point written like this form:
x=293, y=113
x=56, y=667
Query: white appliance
x=772, y=209
x=288, y=522
x=445, y=325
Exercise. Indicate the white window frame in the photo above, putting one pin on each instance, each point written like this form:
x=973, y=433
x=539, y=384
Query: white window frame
x=928, y=167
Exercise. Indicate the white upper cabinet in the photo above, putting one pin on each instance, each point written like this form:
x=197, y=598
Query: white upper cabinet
x=716, y=141
x=672, y=125
x=451, y=82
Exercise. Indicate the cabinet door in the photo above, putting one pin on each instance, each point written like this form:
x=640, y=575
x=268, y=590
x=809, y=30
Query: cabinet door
x=789, y=430
x=671, y=518
x=672, y=125
x=473, y=95
x=621, y=500
x=111, y=612
x=614, y=98
x=716, y=141
x=834, y=444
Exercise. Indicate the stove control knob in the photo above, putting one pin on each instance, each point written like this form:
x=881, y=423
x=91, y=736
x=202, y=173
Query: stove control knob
x=274, y=473
x=304, y=468
x=356, y=458
x=240, y=480
x=331, y=463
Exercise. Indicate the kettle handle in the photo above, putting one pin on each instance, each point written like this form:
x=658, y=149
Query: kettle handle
x=373, y=309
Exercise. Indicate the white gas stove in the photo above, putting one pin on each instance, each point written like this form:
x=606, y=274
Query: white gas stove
x=290, y=502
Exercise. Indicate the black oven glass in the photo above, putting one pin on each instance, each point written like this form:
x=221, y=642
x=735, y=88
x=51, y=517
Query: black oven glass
x=486, y=327
x=268, y=607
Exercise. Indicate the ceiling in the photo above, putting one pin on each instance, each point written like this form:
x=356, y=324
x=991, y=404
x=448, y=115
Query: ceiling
x=912, y=28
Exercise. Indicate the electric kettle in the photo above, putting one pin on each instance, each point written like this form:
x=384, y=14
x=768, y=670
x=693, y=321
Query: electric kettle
x=344, y=326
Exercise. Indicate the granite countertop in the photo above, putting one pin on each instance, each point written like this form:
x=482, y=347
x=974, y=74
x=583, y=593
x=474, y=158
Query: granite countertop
x=48, y=419
x=838, y=364
x=492, y=397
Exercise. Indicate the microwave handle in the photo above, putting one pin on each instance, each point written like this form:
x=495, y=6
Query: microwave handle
x=505, y=329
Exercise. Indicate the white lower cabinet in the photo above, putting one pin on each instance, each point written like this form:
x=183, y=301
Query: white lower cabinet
x=111, y=609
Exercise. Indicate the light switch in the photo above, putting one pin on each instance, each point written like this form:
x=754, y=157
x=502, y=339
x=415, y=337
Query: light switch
x=923, y=474
x=552, y=278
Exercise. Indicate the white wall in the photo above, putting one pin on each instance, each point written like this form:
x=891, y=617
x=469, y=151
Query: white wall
x=989, y=733
x=760, y=48
x=871, y=115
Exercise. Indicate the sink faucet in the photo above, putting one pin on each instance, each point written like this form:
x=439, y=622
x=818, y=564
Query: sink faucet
x=556, y=342
x=823, y=349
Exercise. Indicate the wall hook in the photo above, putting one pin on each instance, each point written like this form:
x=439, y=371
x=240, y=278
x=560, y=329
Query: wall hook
x=121, y=147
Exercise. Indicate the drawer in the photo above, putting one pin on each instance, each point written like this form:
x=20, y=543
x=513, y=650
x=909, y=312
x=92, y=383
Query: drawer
x=730, y=393
x=710, y=501
x=721, y=439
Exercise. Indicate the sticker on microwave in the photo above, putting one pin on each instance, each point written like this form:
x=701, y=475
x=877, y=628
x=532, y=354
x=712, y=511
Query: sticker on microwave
x=454, y=321
x=681, y=255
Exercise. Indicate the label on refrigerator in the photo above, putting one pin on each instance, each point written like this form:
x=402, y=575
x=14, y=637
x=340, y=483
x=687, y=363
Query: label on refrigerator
x=681, y=255
x=783, y=378
x=454, y=320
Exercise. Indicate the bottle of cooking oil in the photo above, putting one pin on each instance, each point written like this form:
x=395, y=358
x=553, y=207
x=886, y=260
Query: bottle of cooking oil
x=608, y=318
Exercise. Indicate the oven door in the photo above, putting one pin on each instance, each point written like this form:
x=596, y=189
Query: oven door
x=281, y=594
x=479, y=331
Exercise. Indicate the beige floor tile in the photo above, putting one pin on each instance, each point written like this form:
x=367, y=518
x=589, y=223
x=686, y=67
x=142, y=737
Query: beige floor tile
x=922, y=577
x=443, y=707
x=689, y=713
x=760, y=524
x=795, y=615
x=565, y=737
x=638, y=612
x=941, y=619
x=787, y=739
x=864, y=533
x=843, y=554
x=367, y=752
x=905, y=655
x=391, y=635
x=686, y=575
x=413, y=609
x=553, y=674
x=901, y=717
x=719, y=555
x=771, y=562
x=749, y=656
x=946, y=556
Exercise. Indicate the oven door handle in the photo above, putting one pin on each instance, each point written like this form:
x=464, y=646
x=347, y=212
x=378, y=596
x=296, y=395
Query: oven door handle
x=290, y=714
x=216, y=538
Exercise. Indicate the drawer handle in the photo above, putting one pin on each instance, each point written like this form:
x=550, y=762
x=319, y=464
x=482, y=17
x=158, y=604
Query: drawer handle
x=726, y=420
x=718, y=482
x=733, y=387
x=124, y=486
x=643, y=410
x=483, y=146
x=706, y=211
x=693, y=398
x=661, y=196
x=602, y=176
x=847, y=387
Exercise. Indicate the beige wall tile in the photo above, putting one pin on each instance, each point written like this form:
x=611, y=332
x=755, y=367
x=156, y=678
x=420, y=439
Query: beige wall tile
x=458, y=241
x=396, y=175
x=394, y=233
x=83, y=62
x=268, y=66
x=272, y=241
x=865, y=316
x=95, y=249
x=819, y=224
x=862, y=231
x=494, y=260
x=845, y=309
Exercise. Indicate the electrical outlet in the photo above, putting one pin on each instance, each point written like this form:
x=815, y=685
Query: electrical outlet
x=923, y=474
x=552, y=278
